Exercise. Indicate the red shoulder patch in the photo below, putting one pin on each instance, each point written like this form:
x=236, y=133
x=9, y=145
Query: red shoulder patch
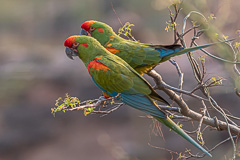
x=100, y=30
x=97, y=65
x=106, y=95
x=84, y=44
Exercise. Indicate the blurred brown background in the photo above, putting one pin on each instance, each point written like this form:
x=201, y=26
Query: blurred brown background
x=34, y=72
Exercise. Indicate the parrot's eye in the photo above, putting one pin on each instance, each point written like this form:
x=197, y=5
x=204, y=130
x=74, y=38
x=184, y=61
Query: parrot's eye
x=91, y=29
x=75, y=45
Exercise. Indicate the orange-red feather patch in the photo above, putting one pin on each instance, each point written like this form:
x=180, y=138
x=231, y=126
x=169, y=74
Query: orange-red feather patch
x=84, y=44
x=106, y=95
x=113, y=50
x=86, y=25
x=69, y=41
x=97, y=65
x=100, y=30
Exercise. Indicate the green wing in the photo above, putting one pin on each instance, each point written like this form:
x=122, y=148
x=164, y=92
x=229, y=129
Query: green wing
x=117, y=77
x=120, y=77
x=142, y=57
x=135, y=53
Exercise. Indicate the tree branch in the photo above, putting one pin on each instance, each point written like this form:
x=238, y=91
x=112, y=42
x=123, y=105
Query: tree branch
x=219, y=125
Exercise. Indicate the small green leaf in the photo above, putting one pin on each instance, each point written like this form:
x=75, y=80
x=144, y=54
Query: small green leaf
x=194, y=23
x=216, y=81
x=126, y=29
x=88, y=110
x=192, y=54
x=225, y=37
x=211, y=17
x=236, y=44
x=112, y=102
x=202, y=58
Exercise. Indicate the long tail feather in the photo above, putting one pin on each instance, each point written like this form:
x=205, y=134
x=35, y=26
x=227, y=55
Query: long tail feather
x=186, y=50
x=169, y=123
x=146, y=104
x=142, y=103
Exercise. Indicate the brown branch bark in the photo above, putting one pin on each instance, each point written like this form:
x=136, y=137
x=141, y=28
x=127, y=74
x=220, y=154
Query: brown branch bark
x=186, y=111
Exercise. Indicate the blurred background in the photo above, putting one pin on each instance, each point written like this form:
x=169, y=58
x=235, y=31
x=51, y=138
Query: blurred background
x=34, y=72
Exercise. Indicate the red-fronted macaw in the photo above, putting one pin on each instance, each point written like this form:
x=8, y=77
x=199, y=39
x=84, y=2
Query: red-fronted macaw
x=142, y=57
x=114, y=76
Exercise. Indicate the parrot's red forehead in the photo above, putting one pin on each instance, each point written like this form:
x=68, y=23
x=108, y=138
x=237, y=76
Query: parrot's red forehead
x=69, y=41
x=86, y=25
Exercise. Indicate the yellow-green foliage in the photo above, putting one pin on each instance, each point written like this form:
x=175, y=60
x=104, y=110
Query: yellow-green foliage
x=126, y=29
x=88, y=110
x=62, y=104
x=71, y=103
x=216, y=81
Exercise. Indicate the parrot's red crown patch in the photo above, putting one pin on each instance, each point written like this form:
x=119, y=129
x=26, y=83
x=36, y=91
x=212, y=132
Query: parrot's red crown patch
x=69, y=41
x=86, y=25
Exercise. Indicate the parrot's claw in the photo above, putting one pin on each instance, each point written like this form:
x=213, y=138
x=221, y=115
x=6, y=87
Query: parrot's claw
x=70, y=53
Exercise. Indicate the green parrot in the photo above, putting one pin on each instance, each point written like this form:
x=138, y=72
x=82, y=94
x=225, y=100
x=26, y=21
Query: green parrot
x=142, y=57
x=116, y=77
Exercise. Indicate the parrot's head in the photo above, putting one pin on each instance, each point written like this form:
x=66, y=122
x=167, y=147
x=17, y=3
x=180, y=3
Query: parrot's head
x=98, y=30
x=85, y=47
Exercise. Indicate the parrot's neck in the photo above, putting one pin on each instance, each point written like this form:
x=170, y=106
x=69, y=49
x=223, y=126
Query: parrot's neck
x=95, y=51
x=109, y=37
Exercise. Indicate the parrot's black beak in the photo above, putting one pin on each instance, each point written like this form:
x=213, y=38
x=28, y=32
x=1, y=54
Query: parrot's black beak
x=71, y=53
x=84, y=32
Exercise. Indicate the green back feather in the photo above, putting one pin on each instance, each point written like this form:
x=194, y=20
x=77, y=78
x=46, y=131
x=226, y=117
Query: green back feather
x=128, y=80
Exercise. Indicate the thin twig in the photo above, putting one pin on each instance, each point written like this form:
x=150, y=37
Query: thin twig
x=165, y=149
x=183, y=34
x=119, y=20
x=182, y=91
x=108, y=111
x=200, y=123
x=173, y=24
x=180, y=74
x=220, y=143
x=218, y=58
x=217, y=108
x=186, y=18
x=167, y=108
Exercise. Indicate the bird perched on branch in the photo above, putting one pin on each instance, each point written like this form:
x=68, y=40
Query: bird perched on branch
x=115, y=76
x=142, y=57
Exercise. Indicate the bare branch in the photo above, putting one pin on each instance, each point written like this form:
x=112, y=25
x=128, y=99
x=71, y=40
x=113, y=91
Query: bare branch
x=99, y=102
x=180, y=85
x=179, y=90
x=188, y=112
x=200, y=123
x=119, y=20
x=168, y=150
x=175, y=109
x=220, y=143
x=106, y=112
x=218, y=58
